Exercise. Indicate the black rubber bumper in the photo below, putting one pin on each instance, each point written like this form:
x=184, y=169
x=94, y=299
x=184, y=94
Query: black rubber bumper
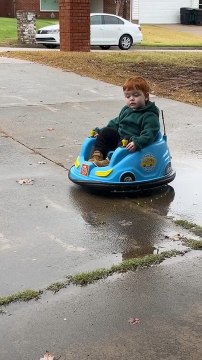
x=125, y=186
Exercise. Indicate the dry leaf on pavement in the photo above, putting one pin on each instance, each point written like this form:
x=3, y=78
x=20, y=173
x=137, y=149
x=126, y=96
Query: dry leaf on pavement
x=134, y=321
x=48, y=356
x=25, y=181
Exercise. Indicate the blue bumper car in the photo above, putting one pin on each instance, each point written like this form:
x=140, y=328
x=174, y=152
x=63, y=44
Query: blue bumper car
x=127, y=171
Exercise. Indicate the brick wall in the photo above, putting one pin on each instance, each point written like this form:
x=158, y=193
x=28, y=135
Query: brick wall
x=34, y=5
x=28, y=5
x=6, y=8
x=10, y=7
x=75, y=25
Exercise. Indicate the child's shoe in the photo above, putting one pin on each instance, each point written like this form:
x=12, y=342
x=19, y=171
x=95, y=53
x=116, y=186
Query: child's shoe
x=101, y=163
x=97, y=156
x=97, y=159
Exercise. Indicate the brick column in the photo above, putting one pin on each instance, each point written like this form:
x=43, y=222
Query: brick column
x=74, y=18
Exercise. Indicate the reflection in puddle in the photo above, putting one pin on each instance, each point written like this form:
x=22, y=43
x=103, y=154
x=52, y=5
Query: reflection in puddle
x=139, y=252
x=125, y=223
x=188, y=204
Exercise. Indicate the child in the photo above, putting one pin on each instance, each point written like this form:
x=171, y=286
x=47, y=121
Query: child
x=138, y=122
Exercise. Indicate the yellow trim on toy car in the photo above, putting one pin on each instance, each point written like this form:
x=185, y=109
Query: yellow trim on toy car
x=103, y=173
x=77, y=163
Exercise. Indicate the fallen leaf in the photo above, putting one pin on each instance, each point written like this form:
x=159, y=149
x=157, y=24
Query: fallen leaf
x=48, y=356
x=125, y=223
x=25, y=181
x=177, y=237
x=134, y=321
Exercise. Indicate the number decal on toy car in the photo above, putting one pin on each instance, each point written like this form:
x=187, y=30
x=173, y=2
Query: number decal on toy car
x=84, y=170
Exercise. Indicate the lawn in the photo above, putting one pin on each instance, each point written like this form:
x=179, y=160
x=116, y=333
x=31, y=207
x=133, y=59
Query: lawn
x=157, y=35
x=174, y=75
x=8, y=29
x=154, y=35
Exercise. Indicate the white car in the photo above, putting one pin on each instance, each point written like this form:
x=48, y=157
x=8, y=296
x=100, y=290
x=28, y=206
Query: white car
x=105, y=30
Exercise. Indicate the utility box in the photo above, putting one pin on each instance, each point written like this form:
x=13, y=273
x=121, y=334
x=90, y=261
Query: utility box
x=187, y=16
x=198, y=16
x=26, y=27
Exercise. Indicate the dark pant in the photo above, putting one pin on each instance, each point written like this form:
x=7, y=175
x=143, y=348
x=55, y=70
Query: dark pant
x=107, y=140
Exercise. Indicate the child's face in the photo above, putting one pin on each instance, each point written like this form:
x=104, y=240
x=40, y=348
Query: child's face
x=136, y=98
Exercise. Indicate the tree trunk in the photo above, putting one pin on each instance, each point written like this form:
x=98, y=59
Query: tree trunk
x=118, y=5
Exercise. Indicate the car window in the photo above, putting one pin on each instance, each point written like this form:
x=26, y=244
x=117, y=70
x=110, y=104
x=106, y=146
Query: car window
x=112, y=20
x=96, y=20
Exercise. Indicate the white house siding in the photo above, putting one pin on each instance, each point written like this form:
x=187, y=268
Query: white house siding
x=160, y=11
x=135, y=10
x=195, y=4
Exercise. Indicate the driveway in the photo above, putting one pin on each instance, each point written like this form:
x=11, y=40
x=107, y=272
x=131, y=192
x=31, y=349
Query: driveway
x=52, y=228
x=192, y=29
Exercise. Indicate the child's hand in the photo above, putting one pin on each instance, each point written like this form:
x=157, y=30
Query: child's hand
x=131, y=146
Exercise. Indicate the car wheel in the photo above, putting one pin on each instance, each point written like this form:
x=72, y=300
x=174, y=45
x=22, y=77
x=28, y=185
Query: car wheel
x=105, y=47
x=127, y=177
x=50, y=46
x=125, y=42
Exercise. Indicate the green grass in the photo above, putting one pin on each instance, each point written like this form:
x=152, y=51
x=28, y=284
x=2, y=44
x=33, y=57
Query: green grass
x=25, y=295
x=8, y=28
x=90, y=277
x=124, y=266
x=195, y=229
x=193, y=244
x=154, y=35
x=55, y=287
x=86, y=278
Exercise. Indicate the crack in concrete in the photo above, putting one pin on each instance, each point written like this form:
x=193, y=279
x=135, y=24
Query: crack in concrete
x=5, y=134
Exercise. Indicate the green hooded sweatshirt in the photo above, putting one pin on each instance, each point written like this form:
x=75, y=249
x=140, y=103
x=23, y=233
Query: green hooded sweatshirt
x=139, y=125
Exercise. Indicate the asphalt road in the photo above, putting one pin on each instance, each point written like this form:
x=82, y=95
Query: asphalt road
x=52, y=228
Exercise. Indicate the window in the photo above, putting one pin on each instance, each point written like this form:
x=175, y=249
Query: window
x=96, y=20
x=112, y=20
x=49, y=5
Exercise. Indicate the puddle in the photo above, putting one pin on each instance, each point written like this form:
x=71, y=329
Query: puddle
x=187, y=204
x=130, y=225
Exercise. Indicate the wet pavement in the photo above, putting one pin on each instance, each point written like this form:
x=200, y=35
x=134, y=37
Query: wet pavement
x=53, y=228
x=93, y=322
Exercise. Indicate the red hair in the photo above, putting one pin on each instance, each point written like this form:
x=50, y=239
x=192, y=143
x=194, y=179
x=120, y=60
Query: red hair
x=136, y=83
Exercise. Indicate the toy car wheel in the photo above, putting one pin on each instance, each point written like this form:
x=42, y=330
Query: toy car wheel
x=127, y=177
x=168, y=169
